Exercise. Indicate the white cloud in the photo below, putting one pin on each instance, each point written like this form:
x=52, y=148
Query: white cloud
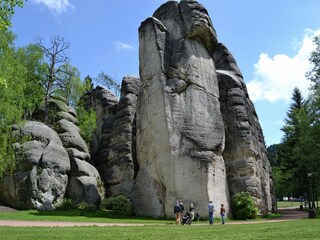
x=276, y=77
x=123, y=46
x=56, y=6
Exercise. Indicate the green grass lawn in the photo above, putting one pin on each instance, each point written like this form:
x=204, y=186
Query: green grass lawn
x=98, y=216
x=285, y=204
x=299, y=229
x=73, y=216
x=153, y=229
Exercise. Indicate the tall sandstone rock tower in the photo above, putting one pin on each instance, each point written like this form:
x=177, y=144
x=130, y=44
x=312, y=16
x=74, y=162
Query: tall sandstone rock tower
x=186, y=130
x=198, y=135
x=180, y=130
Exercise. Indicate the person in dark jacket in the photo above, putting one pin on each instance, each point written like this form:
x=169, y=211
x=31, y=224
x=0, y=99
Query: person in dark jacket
x=177, y=212
x=182, y=209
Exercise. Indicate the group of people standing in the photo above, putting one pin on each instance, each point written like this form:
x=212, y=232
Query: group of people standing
x=179, y=212
x=211, y=211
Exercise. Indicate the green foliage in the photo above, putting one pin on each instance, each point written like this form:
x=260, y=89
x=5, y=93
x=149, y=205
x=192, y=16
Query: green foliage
x=11, y=97
x=87, y=122
x=31, y=57
x=86, y=207
x=292, y=151
x=314, y=74
x=7, y=158
x=299, y=150
x=88, y=84
x=283, y=189
x=66, y=204
x=69, y=85
x=7, y=10
x=119, y=206
x=29, y=78
x=109, y=83
x=273, y=155
x=243, y=206
x=86, y=116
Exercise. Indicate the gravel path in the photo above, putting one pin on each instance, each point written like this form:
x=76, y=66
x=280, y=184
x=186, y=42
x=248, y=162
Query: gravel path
x=289, y=214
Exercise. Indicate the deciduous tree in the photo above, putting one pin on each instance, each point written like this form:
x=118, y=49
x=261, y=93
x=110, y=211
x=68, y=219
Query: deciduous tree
x=69, y=85
x=6, y=11
x=55, y=58
x=109, y=83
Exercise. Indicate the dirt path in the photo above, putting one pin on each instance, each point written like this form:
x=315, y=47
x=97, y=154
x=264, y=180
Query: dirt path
x=292, y=213
x=289, y=214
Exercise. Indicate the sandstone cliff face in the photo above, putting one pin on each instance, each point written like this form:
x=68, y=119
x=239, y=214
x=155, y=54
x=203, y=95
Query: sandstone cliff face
x=180, y=130
x=197, y=135
x=51, y=164
x=42, y=165
x=114, y=151
x=186, y=131
x=245, y=154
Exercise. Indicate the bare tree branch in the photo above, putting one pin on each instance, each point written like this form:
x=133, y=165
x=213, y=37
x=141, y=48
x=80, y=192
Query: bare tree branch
x=55, y=57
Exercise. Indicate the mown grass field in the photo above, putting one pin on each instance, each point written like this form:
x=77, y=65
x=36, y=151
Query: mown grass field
x=71, y=216
x=298, y=229
x=285, y=204
x=153, y=229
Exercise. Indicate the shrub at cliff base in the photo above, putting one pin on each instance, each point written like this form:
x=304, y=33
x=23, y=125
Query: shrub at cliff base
x=118, y=206
x=243, y=206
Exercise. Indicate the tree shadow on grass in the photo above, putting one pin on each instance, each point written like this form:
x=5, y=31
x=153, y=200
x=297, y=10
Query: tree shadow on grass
x=98, y=214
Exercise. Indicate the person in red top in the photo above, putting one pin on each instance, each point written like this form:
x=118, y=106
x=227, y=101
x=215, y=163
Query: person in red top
x=222, y=213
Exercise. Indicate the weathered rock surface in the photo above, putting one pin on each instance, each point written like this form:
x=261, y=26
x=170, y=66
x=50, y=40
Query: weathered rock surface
x=84, y=183
x=186, y=131
x=197, y=135
x=245, y=154
x=51, y=165
x=104, y=103
x=115, y=137
x=180, y=130
x=42, y=165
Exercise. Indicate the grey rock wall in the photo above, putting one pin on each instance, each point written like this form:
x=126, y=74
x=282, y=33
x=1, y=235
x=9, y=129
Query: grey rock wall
x=52, y=164
x=42, y=165
x=245, y=154
x=196, y=136
x=114, y=151
x=85, y=184
x=186, y=131
x=180, y=130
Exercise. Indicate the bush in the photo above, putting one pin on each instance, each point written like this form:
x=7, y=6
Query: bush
x=86, y=207
x=66, y=204
x=118, y=206
x=243, y=206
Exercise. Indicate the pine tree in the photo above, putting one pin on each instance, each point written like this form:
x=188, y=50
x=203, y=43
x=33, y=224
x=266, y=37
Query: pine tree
x=290, y=152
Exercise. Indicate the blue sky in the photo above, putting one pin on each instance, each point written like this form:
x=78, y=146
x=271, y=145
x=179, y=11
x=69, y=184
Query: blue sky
x=271, y=41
